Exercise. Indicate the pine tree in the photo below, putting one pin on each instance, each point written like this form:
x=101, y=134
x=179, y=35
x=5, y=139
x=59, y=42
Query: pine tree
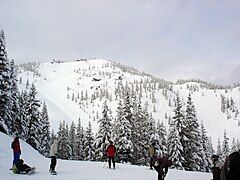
x=193, y=150
x=64, y=149
x=161, y=130
x=123, y=139
x=5, y=111
x=45, y=132
x=225, y=146
x=33, y=119
x=207, y=149
x=79, y=142
x=219, y=149
x=234, y=146
x=88, y=146
x=175, y=148
x=103, y=134
x=72, y=141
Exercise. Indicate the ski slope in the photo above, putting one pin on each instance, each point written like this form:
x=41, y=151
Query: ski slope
x=80, y=170
x=56, y=78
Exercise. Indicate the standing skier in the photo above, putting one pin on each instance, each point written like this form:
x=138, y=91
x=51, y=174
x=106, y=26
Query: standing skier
x=161, y=165
x=111, y=150
x=217, y=166
x=53, y=154
x=16, y=150
x=152, y=154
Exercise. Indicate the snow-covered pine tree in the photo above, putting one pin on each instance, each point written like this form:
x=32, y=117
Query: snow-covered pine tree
x=16, y=127
x=219, y=149
x=33, y=119
x=233, y=146
x=45, y=132
x=176, y=136
x=207, y=149
x=103, y=134
x=5, y=110
x=123, y=139
x=175, y=148
x=225, y=146
x=79, y=141
x=72, y=140
x=64, y=149
x=161, y=130
x=193, y=150
x=88, y=146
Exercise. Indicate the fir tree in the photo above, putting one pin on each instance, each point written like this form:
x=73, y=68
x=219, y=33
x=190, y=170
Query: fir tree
x=88, y=146
x=64, y=149
x=72, y=141
x=79, y=142
x=103, y=134
x=45, y=132
x=5, y=110
x=33, y=119
x=225, y=146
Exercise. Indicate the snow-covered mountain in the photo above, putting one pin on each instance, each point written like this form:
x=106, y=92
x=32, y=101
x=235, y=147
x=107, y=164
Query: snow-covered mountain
x=78, y=89
x=81, y=170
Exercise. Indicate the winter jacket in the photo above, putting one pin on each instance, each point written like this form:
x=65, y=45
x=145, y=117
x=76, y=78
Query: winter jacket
x=234, y=166
x=53, y=149
x=151, y=151
x=16, y=146
x=161, y=164
x=111, y=150
x=216, y=169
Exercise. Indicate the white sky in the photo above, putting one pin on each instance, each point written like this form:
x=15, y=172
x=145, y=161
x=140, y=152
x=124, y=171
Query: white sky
x=171, y=39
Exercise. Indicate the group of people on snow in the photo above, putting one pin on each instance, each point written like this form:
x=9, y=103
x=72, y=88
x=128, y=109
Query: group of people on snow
x=228, y=170
x=20, y=167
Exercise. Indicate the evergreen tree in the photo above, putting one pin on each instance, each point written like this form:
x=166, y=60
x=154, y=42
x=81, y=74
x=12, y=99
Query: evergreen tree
x=219, y=149
x=72, y=141
x=207, y=149
x=225, y=146
x=103, y=134
x=161, y=130
x=80, y=142
x=64, y=149
x=5, y=110
x=88, y=146
x=193, y=150
x=234, y=146
x=175, y=148
x=123, y=139
x=33, y=119
x=45, y=132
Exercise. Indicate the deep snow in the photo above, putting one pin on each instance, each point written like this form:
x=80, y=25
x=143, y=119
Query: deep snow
x=80, y=170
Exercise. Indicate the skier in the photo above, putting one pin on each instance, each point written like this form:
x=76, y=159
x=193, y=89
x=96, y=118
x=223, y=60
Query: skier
x=234, y=166
x=20, y=167
x=111, y=150
x=53, y=154
x=16, y=150
x=217, y=166
x=152, y=154
x=161, y=163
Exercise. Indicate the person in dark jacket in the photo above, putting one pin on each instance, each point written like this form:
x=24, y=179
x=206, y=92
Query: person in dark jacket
x=111, y=150
x=217, y=166
x=16, y=150
x=20, y=167
x=234, y=166
x=161, y=165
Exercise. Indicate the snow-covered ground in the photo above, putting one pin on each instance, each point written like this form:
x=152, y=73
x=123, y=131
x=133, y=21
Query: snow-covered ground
x=80, y=170
x=59, y=80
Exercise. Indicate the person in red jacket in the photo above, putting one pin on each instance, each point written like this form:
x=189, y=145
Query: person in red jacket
x=111, y=150
x=16, y=150
x=161, y=165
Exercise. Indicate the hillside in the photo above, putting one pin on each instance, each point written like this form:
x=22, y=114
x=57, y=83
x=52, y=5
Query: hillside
x=78, y=89
x=81, y=170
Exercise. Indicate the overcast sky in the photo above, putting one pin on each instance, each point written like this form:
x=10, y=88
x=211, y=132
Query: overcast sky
x=171, y=39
